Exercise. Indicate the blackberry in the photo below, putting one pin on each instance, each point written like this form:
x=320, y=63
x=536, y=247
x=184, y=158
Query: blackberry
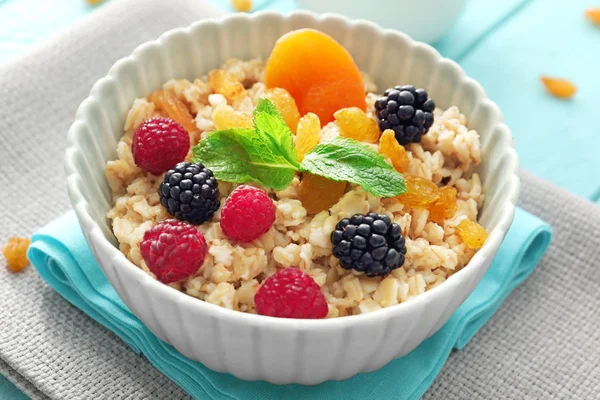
x=190, y=192
x=407, y=111
x=369, y=243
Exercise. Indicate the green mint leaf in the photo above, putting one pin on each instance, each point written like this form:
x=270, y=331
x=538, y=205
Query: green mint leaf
x=342, y=159
x=265, y=154
x=269, y=123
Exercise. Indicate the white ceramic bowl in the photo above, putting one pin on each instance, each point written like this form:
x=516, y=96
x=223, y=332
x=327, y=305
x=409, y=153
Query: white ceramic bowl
x=424, y=20
x=255, y=347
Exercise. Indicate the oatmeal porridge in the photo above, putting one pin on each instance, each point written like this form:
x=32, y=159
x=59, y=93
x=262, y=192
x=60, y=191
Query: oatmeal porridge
x=352, y=249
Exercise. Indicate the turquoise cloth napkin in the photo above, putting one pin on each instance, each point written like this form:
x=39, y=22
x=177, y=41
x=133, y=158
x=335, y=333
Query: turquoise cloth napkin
x=63, y=259
x=8, y=390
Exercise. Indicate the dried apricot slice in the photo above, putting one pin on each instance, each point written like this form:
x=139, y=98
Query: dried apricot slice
x=354, y=124
x=390, y=148
x=445, y=207
x=420, y=192
x=173, y=108
x=559, y=87
x=308, y=134
x=225, y=117
x=473, y=234
x=286, y=105
x=317, y=71
x=317, y=193
x=593, y=14
x=15, y=251
x=226, y=83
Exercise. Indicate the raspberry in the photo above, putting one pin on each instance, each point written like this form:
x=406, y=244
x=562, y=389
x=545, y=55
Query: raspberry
x=407, y=111
x=291, y=293
x=248, y=213
x=173, y=250
x=190, y=192
x=369, y=243
x=158, y=144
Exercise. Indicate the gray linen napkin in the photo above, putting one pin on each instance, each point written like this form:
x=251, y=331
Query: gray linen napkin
x=544, y=342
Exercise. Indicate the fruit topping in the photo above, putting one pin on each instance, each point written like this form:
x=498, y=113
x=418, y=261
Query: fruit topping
x=158, y=144
x=286, y=105
x=317, y=71
x=444, y=207
x=225, y=117
x=307, y=135
x=559, y=87
x=317, y=193
x=173, y=250
x=267, y=155
x=473, y=234
x=390, y=148
x=15, y=251
x=247, y=214
x=407, y=111
x=354, y=124
x=226, y=83
x=174, y=109
x=420, y=192
x=190, y=192
x=369, y=243
x=291, y=293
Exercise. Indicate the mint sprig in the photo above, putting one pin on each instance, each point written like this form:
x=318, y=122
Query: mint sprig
x=343, y=159
x=266, y=154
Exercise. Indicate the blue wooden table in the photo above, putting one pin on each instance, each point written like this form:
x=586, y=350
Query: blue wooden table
x=505, y=45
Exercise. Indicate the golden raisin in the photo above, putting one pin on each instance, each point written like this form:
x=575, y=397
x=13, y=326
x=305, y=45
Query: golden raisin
x=308, y=134
x=225, y=117
x=471, y=233
x=445, y=207
x=559, y=87
x=226, y=83
x=593, y=14
x=174, y=109
x=420, y=192
x=15, y=251
x=242, y=5
x=390, y=148
x=286, y=105
x=355, y=124
x=317, y=193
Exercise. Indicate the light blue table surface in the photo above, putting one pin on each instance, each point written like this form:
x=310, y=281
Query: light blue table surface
x=504, y=44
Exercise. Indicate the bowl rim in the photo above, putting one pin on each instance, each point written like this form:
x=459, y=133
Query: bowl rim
x=95, y=236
